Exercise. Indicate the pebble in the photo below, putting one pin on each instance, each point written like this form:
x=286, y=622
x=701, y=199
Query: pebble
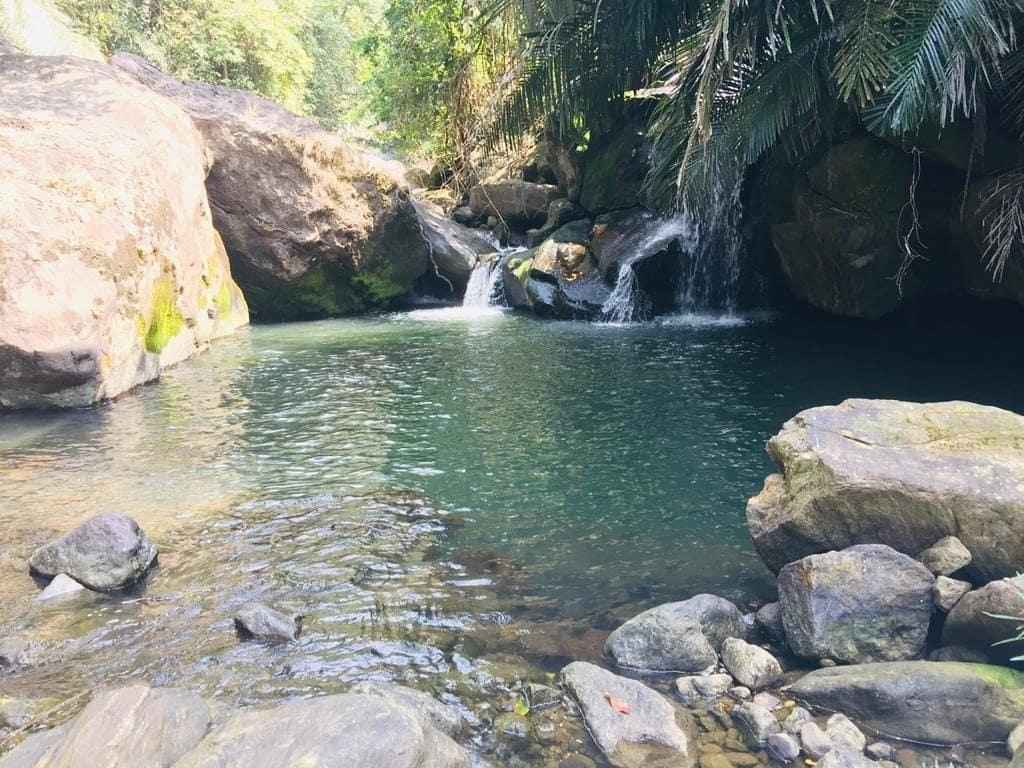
x=783, y=748
x=768, y=701
x=815, y=741
x=740, y=693
x=795, y=720
x=844, y=734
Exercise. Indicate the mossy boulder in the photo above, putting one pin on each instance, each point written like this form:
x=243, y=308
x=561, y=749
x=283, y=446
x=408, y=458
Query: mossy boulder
x=614, y=170
x=314, y=228
x=934, y=702
x=110, y=268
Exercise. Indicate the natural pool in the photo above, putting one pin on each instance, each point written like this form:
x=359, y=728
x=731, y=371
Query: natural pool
x=434, y=490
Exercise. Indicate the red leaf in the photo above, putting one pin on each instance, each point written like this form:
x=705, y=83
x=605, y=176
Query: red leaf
x=617, y=704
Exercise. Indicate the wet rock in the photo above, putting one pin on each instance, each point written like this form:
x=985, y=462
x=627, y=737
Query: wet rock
x=560, y=213
x=454, y=249
x=783, y=748
x=13, y=652
x=756, y=724
x=865, y=603
x=520, y=204
x=947, y=592
x=62, y=586
x=946, y=556
x=512, y=726
x=647, y=734
x=130, y=727
x=314, y=227
x=795, y=720
x=842, y=758
x=844, y=734
x=814, y=740
x=541, y=697
x=937, y=702
x=344, y=731
x=106, y=553
x=260, y=622
x=753, y=667
x=676, y=637
x=426, y=707
x=903, y=474
x=134, y=278
x=881, y=750
x=958, y=653
x=697, y=689
x=769, y=620
x=972, y=621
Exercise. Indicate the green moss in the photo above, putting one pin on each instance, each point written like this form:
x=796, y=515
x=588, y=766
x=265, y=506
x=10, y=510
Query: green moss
x=522, y=270
x=165, y=320
x=223, y=301
x=1004, y=677
x=380, y=284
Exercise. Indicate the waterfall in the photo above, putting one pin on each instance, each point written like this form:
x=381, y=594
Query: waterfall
x=711, y=278
x=481, y=288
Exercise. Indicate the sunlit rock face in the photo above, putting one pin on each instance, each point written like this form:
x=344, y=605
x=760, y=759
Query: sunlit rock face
x=38, y=28
x=314, y=227
x=110, y=268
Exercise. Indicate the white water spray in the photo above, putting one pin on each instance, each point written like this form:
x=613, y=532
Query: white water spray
x=482, y=285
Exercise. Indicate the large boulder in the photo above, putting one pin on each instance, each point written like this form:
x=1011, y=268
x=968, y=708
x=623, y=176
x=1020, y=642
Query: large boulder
x=866, y=603
x=122, y=728
x=521, y=205
x=105, y=553
x=631, y=724
x=895, y=473
x=454, y=250
x=110, y=269
x=39, y=28
x=351, y=730
x=313, y=227
x=974, y=620
x=936, y=702
x=680, y=637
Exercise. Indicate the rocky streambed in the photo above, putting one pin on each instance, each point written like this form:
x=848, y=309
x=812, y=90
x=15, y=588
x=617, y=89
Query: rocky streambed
x=875, y=654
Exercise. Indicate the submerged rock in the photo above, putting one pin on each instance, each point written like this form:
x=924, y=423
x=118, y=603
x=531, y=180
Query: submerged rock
x=632, y=724
x=676, y=637
x=937, y=702
x=260, y=622
x=105, y=553
x=756, y=724
x=698, y=689
x=783, y=748
x=123, y=728
x=896, y=473
x=314, y=227
x=973, y=622
x=866, y=603
x=110, y=269
x=62, y=586
x=345, y=731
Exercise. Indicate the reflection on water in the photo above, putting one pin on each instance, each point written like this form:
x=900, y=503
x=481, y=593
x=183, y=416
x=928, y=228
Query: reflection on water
x=432, y=489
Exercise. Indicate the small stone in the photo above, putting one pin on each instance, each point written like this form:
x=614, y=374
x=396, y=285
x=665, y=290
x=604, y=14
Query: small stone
x=881, y=750
x=259, y=622
x=1015, y=740
x=740, y=692
x=783, y=748
x=826, y=663
x=794, y=720
x=756, y=724
x=844, y=734
x=752, y=666
x=946, y=556
x=62, y=586
x=697, y=689
x=768, y=701
x=947, y=592
x=769, y=619
x=843, y=758
x=715, y=760
x=815, y=741
x=743, y=759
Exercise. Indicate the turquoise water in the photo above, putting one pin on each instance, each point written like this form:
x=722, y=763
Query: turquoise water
x=446, y=471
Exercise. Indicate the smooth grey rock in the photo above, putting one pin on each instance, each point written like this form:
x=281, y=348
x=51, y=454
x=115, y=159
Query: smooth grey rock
x=740, y=693
x=62, y=586
x=958, y=653
x=972, y=622
x=866, y=603
x=937, y=702
x=903, y=474
x=795, y=720
x=881, y=750
x=430, y=710
x=105, y=553
x=947, y=592
x=752, y=666
x=815, y=741
x=649, y=734
x=697, y=689
x=844, y=734
x=676, y=637
x=1015, y=740
x=768, y=701
x=844, y=758
x=769, y=619
x=131, y=727
x=34, y=748
x=260, y=622
x=783, y=748
x=946, y=556
x=755, y=724
x=344, y=731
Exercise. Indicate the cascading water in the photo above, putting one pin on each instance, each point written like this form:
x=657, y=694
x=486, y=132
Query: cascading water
x=482, y=285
